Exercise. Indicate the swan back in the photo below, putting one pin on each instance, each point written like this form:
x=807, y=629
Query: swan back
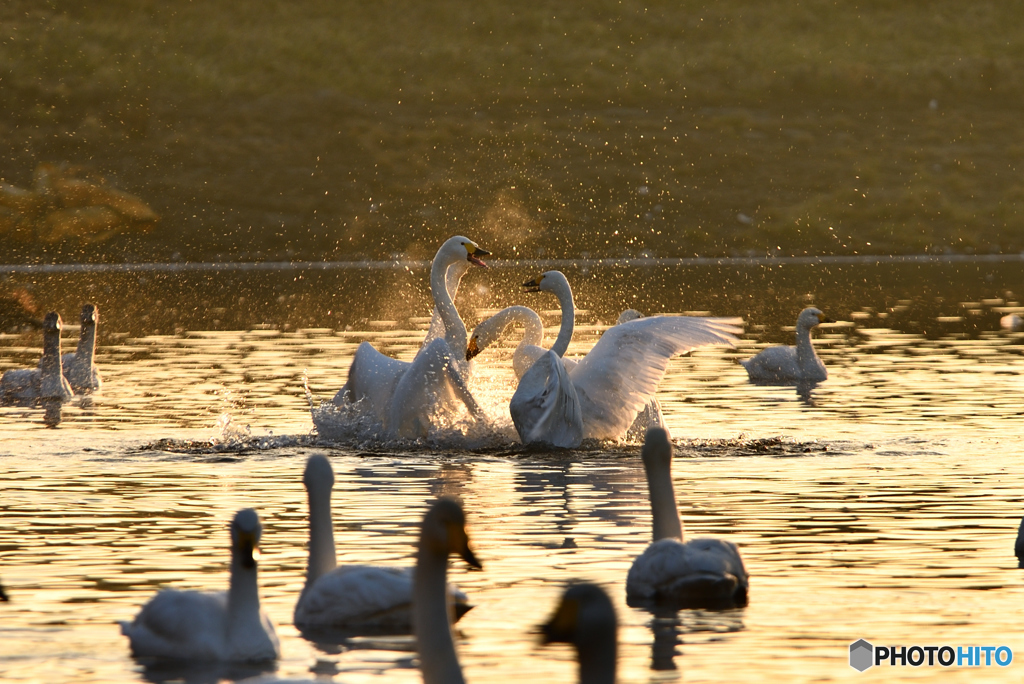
x=442, y=532
x=545, y=408
x=585, y=618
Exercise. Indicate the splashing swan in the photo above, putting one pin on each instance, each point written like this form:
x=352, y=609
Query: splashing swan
x=221, y=626
x=351, y=598
x=700, y=573
x=601, y=396
x=407, y=397
x=791, y=364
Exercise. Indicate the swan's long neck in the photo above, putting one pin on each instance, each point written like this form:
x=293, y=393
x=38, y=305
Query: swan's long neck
x=438, y=660
x=85, y=352
x=454, y=328
x=805, y=354
x=663, y=500
x=322, y=557
x=598, y=657
x=533, y=327
x=564, y=294
x=243, y=600
x=50, y=367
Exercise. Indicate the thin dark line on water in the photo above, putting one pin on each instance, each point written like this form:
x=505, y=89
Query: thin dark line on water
x=221, y=266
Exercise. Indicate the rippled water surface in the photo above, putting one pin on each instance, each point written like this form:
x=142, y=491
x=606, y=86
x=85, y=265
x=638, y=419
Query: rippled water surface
x=882, y=504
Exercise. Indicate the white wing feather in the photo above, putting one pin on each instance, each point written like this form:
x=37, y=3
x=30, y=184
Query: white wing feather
x=545, y=407
x=622, y=372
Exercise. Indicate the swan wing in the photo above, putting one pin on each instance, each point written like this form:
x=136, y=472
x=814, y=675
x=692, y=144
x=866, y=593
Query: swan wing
x=545, y=408
x=372, y=377
x=622, y=372
x=187, y=625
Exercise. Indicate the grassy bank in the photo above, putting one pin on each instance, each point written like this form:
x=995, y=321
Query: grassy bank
x=314, y=129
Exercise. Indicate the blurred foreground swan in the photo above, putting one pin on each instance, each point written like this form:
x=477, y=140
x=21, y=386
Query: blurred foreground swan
x=443, y=532
x=585, y=618
x=602, y=394
x=46, y=382
x=221, y=626
x=791, y=364
x=352, y=598
x=80, y=365
x=700, y=573
x=407, y=398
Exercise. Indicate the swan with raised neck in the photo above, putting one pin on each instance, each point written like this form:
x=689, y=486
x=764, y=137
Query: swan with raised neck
x=787, y=364
x=192, y=625
x=700, y=573
x=527, y=351
x=80, y=365
x=556, y=282
x=353, y=598
x=442, y=533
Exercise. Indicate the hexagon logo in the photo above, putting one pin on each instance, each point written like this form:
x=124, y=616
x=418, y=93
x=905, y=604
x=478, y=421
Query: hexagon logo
x=862, y=655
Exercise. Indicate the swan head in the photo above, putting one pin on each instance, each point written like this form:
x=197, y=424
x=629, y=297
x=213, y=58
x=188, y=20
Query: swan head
x=628, y=315
x=246, y=531
x=90, y=314
x=657, y=450
x=585, y=618
x=318, y=474
x=460, y=248
x=549, y=281
x=810, y=317
x=444, y=531
x=52, y=323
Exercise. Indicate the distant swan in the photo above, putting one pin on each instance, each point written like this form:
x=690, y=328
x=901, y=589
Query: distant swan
x=352, y=598
x=600, y=397
x=791, y=364
x=80, y=365
x=222, y=626
x=585, y=618
x=44, y=383
x=407, y=397
x=443, y=532
x=700, y=573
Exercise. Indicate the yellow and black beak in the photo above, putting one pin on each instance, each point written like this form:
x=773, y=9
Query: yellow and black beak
x=822, y=318
x=472, y=350
x=473, y=254
x=562, y=625
x=248, y=550
x=533, y=285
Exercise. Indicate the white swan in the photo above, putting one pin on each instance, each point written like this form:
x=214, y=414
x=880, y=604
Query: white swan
x=46, y=382
x=80, y=365
x=352, y=598
x=650, y=416
x=443, y=532
x=408, y=397
x=585, y=618
x=698, y=573
x=613, y=382
x=791, y=364
x=489, y=331
x=192, y=625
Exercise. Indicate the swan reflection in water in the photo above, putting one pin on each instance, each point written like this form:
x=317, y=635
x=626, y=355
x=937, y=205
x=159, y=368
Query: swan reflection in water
x=670, y=627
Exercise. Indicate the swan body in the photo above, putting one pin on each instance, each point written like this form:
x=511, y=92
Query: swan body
x=791, y=364
x=80, y=365
x=352, y=598
x=700, y=573
x=45, y=383
x=192, y=625
x=615, y=380
x=585, y=618
x=442, y=532
x=545, y=407
x=408, y=397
